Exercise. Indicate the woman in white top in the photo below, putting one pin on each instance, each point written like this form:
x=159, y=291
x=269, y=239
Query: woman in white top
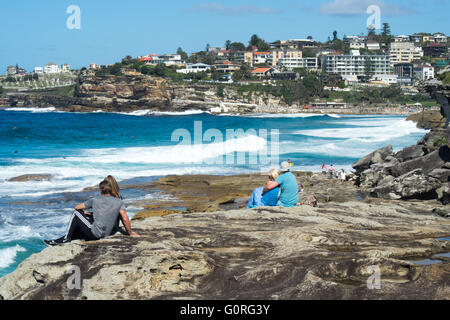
x=343, y=176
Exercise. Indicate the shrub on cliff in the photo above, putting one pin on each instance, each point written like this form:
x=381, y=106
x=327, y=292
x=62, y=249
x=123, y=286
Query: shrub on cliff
x=445, y=77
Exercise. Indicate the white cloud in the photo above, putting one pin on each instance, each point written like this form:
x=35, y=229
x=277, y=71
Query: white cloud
x=359, y=7
x=233, y=11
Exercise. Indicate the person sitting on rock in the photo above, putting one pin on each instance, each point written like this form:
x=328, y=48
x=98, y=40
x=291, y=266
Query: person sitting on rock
x=288, y=184
x=100, y=223
x=269, y=199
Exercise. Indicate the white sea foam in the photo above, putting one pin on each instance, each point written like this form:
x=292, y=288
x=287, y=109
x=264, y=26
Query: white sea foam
x=8, y=255
x=146, y=112
x=33, y=110
x=376, y=133
x=285, y=115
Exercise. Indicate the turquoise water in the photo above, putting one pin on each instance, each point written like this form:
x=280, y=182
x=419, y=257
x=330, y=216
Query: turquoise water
x=79, y=150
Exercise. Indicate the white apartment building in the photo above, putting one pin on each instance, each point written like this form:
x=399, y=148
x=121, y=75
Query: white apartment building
x=402, y=38
x=276, y=55
x=51, y=68
x=348, y=39
x=292, y=63
x=65, y=68
x=372, y=45
x=38, y=70
x=260, y=57
x=356, y=65
x=440, y=38
x=404, y=52
x=194, y=68
x=167, y=59
x=357, y=44
x=424, y=72
x=243, y=57
x=387, y=79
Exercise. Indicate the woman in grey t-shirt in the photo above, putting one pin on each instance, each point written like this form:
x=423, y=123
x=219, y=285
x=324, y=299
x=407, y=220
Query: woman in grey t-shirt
x=101, y=222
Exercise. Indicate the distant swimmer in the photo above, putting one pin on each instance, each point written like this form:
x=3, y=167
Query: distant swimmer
x=14, y=128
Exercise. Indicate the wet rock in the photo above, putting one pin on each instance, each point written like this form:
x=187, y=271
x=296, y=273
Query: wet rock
x=31, y=177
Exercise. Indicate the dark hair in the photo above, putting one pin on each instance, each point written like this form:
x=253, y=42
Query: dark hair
x=105, y=187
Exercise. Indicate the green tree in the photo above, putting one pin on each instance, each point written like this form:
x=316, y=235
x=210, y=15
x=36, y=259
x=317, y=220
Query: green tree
x=308, y=53
x=368, y=68
x=184, y=55
x=335, y=35
x=371, y=35
x=386, y=29
x=254, y=40
x=228, y=45
x=116, y=69
x=127, y=60
x=1, y=90
x=220, y=91
x=242, y=74
x=386, y=36
x=237, y=46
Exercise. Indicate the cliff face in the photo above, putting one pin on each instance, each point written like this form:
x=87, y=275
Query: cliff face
x=136, y=92
x=329, y=252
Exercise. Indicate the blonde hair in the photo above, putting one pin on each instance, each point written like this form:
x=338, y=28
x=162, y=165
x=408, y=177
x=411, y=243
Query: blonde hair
x=274, y=173
x=115, y=190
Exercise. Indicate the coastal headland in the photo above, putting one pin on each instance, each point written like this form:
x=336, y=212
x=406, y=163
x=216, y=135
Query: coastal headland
x=139, y=93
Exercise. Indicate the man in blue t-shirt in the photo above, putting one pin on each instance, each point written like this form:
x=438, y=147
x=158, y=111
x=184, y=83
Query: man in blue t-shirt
x=288, y=184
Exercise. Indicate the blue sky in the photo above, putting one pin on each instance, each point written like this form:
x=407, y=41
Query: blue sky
x=33, y=33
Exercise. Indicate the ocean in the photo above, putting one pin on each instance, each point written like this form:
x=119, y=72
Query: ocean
x=80, y=149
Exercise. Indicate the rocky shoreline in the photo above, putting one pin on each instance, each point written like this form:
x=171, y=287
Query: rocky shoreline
x=389, y=222
x=199, y=243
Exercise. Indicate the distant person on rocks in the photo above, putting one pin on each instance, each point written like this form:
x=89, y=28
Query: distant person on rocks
x=331, y=171
x=269, y=199
x=324, y=169
x=288, y=184
x=343, y=176
x=313, y=201
x=101, y=223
